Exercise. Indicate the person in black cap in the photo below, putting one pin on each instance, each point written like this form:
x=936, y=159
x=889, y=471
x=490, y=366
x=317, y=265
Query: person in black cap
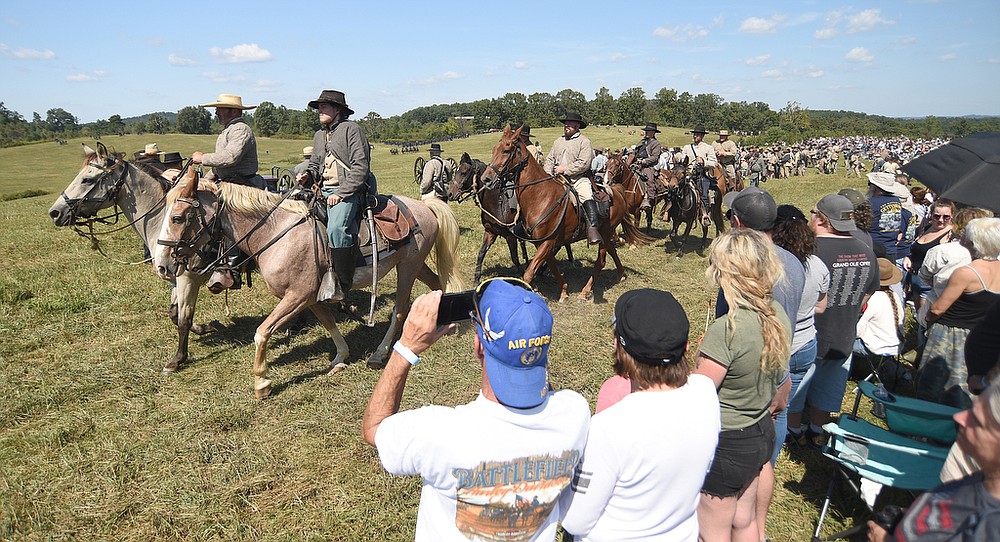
x=340, y=162
x=533, y=149
x=647, y=155
x=701, y=161
x=639, y=479
x=570, y=157
x=435, y=177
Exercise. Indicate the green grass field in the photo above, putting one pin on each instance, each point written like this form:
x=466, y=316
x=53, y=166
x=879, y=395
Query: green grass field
x=97, y=445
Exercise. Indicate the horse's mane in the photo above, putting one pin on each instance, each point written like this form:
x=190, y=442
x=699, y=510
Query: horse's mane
x=240, y=198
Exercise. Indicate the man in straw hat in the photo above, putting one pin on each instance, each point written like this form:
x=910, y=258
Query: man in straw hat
x=301, y=167
x=436, y=175
x=726, y=151
x=701, y=159
x=518, y=439
x=647, y=155
x=235, y=156
x=341, y=162
x=570, y=157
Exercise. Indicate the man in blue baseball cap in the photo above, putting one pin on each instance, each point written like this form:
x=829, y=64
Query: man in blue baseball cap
x=514, y=448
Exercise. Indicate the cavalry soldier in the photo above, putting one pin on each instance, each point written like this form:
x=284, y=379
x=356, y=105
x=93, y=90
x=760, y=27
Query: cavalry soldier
x=647, y=155
x=307, y=153
x=726, y=151
x=701, y=160
x=570, y=157
x=757, y=168
x=235, y=156
x=340, y=162
x=533, y=150
x=436, y=175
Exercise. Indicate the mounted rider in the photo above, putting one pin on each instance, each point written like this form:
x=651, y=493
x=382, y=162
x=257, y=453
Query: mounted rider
x=435, y=176
x=701, y=161
x=647, y=155
x=570, y=157
x=234, y=161
x=534, y=150
x=726, y=151
x=341, y=163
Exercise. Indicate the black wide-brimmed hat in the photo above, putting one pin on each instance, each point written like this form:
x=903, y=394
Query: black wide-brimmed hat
x=698, y=129
x=435, y=147
x=574, y=116
x=650, y=127
x=334, y=97
x=525, y=130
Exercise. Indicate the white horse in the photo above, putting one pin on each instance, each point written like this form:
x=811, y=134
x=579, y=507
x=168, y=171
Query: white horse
x=107, y=180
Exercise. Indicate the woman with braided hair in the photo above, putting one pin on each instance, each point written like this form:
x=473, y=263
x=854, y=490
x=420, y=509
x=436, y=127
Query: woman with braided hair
x=880, y=328
x=745, y=353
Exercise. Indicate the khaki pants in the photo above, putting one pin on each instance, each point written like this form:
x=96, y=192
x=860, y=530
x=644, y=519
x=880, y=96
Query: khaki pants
x=583, y=189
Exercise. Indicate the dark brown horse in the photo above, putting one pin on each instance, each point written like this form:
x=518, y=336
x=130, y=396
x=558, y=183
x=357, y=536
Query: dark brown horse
x=684, y=206
x=619, y=171
x=547, y=213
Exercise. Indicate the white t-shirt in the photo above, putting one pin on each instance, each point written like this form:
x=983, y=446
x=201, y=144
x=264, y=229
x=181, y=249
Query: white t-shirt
x=877, y=327
x=817, y=284
x=645, y=464
x=490, y=472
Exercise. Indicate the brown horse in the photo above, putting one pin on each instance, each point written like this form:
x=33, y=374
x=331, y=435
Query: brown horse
x=547, y=213
x=684, y=206
x=619, y=171
x=287, y=244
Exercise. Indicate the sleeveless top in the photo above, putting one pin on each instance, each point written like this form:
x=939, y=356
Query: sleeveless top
x=918, y=251
x=970, y=308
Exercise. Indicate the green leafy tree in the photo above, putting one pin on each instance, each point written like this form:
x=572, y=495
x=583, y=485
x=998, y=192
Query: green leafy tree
x=793, y=118
x=571, y=101
x=116, y=125
x=61, y=121
x=632, y=106
x=157, y=123
x=603, y=107
x=267, y=121
x=541, y=110
x=194, y=120
x=665, y=107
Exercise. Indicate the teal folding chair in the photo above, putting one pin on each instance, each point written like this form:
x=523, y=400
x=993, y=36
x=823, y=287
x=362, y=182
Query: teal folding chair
x=909, y=455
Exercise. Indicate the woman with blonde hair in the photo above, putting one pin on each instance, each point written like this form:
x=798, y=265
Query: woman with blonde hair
x=745, y=353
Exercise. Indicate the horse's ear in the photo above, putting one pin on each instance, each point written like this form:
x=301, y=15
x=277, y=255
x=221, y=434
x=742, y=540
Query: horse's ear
x=466, y=159
x=189, y=183
x=87, y=151
x=517, y=133
x=102, y=151
x=506, y=130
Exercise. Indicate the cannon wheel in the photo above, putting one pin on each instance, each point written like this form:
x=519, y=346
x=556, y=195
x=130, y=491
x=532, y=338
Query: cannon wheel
x=454, y=164
x=418, y=168
x=286, y=179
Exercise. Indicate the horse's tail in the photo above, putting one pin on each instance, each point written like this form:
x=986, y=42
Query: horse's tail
x=446, y=245
x=634, y=236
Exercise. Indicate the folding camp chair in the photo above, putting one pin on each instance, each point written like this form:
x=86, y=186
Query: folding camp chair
x=909, y=455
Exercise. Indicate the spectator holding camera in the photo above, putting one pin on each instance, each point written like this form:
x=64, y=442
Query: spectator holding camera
x=639, y=480
x=496, y=466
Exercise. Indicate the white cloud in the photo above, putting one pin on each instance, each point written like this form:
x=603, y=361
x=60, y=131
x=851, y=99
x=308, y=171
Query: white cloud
x=756, y=25
x=223, y=77
x=817, y=73
x=947, y=57
x=180, y=61
x=859, y=54
x=866, y=20
x=520, y=64
x=245, y=52
x=826, y=33
x=682, y=33
x=26, y=54
x=773, y=74
x=265, y=85
x=434, y=79
x=617, y=57
x=908, y=40
x=757, y=60
x=92, y=76
x=994, y=60
x=718, y=20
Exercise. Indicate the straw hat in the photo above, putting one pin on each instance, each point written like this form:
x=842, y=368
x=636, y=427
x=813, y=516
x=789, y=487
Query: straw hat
x=229, y=101
x=307, y=151
x=151, y=148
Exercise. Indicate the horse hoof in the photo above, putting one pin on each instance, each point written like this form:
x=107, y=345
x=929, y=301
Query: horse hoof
x=262, y=389
x=336, y=369
x=166, y=371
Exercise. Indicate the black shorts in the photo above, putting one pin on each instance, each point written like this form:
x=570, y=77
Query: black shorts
x=739, y=457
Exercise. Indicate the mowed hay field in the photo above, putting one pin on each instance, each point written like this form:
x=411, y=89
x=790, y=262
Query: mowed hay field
x=96, y=445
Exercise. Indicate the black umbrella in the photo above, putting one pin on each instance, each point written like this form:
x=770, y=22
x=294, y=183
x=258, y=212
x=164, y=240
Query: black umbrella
x=966, y=170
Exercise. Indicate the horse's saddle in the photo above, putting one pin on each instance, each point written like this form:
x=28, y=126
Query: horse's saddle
x=394, y=227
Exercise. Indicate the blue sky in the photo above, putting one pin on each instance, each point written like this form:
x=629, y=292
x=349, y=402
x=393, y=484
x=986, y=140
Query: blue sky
x=896, y=58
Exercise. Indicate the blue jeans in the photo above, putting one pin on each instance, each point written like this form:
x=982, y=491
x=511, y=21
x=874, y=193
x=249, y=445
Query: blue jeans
x=798, y=369
x=341, y=221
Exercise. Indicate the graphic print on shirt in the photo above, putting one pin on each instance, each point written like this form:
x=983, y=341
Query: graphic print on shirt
x=890, y=216
x=849, y=273
x=504, y=501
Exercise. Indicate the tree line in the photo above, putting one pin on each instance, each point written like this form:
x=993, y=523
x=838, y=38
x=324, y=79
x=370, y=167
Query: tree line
x=667, y=107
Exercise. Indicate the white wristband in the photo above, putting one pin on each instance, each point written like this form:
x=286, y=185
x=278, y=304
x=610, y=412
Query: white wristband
x=407, y=354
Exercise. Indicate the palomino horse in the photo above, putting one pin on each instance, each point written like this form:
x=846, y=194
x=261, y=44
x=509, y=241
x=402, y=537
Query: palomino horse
x=547, y=212
x=497, y=219
x=619, y=171
x=107, y=180
x=287, y=244
x=684, y=206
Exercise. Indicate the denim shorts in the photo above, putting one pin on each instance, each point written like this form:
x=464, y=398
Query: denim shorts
x=829, y=380
x=739, y=457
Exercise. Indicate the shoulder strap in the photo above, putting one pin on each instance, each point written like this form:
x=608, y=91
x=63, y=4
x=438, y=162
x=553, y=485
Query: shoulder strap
x=980, y=277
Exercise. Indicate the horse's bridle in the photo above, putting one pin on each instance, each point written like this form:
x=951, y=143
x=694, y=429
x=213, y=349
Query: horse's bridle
x=507, y=173
x=75, y=204
x=196, y=245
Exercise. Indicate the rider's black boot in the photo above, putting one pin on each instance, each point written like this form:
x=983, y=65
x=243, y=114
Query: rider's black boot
x=590, y=209
x=343, y=265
